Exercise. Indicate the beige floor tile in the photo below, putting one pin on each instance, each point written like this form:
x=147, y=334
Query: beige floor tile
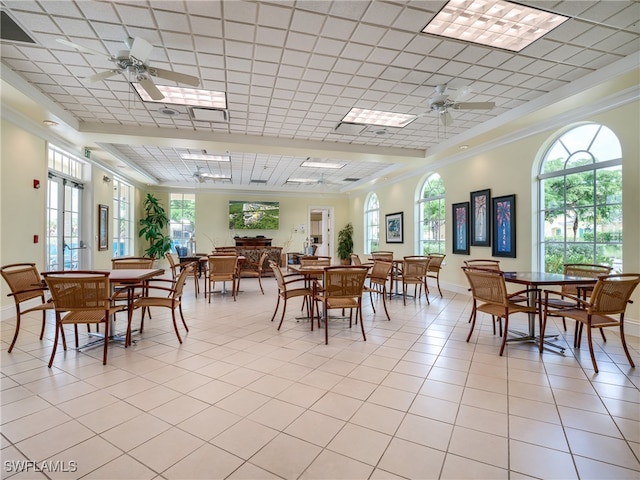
x=337, y=406
x=335, y=466
x=460, y=468
x=589, y=469
x=244, y=438
x=540, y=462
x=136, y=431
x=209, y=422
x=124, y=467
x=425, y=431
x=286, y=456
x=164, y=450
x=315, y=428
x=488, y=421
x=435, y=408
x=88, y=455
x=480, y=446
x=602, y=448
x=178, y=409
x=206, y=463
x=414, y=401
x=410, y=460
x=54, y=441
x=34, y=424
x=378, y=418
x=276, y=414
x=360, y=443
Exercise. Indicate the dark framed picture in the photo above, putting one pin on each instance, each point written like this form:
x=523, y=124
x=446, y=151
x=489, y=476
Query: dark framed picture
x=395, y=227
x=103, y=227
x=504, y=226
x=481, y=218
x=461, y=228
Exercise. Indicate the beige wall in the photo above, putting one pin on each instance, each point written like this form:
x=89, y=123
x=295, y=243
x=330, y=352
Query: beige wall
x=507, y=169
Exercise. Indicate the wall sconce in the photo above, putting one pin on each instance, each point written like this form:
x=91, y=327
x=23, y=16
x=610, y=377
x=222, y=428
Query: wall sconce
x=106, y=179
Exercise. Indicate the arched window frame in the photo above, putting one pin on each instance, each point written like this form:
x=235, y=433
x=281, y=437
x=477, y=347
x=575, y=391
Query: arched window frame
x=371, y=224
x=578, y=162
x=431, y=232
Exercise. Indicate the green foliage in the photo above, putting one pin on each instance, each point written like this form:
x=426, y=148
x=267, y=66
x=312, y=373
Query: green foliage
x=152, y=228
x=345, y=242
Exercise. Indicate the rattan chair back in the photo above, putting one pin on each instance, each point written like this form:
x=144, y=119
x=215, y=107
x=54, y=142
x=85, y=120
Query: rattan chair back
x=131, y=263
x=583, y=270
x=24, y=281
x=483, y=264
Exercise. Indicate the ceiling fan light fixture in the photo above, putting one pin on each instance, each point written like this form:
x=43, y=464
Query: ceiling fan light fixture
x=497, y=23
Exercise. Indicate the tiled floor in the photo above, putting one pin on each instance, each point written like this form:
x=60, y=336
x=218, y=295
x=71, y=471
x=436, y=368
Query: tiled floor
x=240, y=400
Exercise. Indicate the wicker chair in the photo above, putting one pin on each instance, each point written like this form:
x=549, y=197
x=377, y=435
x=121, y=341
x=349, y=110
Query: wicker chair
x=290, y=286
x=222, y=268
x=162, y=292
x=414, y=272
x=25, y=284
x=314, y=260
x=80, y=297
x=576, y=270
x=483, y=264
x=177, y=267
x=490, y=296
x=435, y=265
x=605, y=308
x=378, y=275
x=342, y=288
x=254, y=269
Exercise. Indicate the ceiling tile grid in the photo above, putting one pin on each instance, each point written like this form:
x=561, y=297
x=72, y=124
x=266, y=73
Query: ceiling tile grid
x=292, y=70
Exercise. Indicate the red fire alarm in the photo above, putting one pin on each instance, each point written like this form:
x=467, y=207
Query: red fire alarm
x=35, y=239
x=36, y=183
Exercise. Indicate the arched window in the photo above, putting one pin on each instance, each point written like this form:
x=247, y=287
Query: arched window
x=431, y=226
x=580, y=196
x=372, y=224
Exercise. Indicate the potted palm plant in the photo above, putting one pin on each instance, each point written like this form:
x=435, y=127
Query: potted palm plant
x=152, y=228
x=345, y=244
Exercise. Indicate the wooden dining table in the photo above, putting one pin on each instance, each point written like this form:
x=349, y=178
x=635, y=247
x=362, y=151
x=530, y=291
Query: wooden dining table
x=537, y=280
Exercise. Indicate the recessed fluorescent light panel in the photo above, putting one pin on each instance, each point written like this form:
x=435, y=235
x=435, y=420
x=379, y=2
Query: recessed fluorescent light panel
x=312, y=164
x=302, y=180
x=185, y=96
x=205, y=156
x=495, y=23
x=377, y=117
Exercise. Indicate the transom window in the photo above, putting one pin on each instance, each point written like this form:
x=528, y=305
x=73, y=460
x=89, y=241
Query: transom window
x=580, y=185
x=372, y=224
x=431, y=218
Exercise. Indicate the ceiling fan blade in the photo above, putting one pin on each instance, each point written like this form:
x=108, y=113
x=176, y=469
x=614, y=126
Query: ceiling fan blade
x=98, y=77
x=82, y=49
x=446, y=119
x=473, y=105
x=151, y=89
x=140, y=49
x=175, y=76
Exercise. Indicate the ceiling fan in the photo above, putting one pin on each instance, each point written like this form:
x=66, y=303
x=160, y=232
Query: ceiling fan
x=441, y=104
x=134, y=60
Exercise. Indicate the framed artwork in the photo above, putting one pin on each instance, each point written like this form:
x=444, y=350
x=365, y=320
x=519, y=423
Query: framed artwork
x=481, y=218
x=504, y=226
x=103, y=227
x=461, y=228
x=395, y=227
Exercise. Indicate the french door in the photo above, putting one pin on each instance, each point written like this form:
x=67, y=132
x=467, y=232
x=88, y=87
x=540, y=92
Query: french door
x=64, y=226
